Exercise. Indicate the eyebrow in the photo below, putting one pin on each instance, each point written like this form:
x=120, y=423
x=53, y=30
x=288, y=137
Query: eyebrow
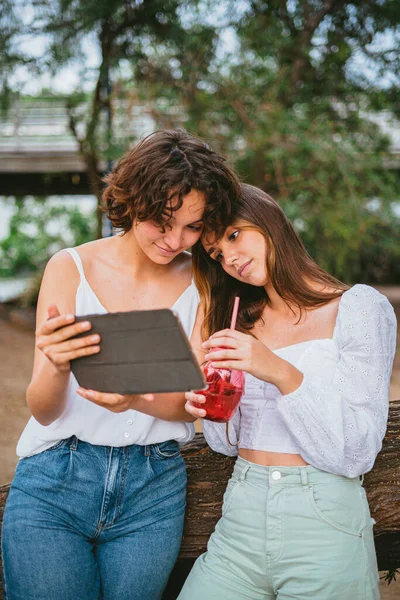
x=170, y=218
x=210, y=251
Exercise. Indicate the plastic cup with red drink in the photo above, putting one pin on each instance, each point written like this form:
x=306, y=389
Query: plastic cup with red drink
x=224, y=386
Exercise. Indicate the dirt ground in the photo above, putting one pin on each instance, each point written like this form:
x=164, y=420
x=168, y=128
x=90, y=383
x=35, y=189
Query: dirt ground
x=16, y=357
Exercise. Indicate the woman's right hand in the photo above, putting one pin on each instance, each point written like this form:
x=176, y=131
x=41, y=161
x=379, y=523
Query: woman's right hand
x=53, y=338
x=193, y=410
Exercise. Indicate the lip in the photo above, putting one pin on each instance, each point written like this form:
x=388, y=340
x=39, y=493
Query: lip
x=244, y=268
x=165, y=251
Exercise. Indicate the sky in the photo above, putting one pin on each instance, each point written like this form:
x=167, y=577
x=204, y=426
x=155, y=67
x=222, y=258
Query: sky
x=66, y=79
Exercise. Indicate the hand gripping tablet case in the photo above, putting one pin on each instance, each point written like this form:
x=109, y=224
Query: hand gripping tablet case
x=141, y=352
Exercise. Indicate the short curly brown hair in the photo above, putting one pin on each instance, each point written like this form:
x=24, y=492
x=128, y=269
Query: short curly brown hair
x=166, y=165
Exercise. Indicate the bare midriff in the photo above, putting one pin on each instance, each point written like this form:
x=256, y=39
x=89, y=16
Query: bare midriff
x=272, y=459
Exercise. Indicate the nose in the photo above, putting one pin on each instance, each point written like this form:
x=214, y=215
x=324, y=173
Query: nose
x=230, y=258
x=173, y=238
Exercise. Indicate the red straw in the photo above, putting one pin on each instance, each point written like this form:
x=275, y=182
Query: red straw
x=235, y=312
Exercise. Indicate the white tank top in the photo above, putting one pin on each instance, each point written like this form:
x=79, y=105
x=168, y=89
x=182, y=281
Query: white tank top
x=97, y=425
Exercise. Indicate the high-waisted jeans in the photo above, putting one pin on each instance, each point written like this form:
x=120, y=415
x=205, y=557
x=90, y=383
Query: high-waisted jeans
x=288, y=533
x=86, y=522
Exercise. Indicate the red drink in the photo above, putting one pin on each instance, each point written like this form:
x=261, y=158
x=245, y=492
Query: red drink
x=223, y=394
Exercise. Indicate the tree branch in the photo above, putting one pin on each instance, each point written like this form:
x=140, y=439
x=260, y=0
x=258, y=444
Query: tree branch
x=310, y=25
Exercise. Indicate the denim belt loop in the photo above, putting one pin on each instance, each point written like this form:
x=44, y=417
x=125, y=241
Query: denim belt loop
x=74, y=443
x=147, y=450
x=304, y=477
x=242, y=475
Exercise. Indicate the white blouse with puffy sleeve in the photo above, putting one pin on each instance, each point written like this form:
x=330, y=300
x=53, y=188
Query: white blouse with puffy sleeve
x=336, y=419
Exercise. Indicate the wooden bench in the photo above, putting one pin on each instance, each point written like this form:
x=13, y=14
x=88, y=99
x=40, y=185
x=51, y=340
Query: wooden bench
x=209, y=472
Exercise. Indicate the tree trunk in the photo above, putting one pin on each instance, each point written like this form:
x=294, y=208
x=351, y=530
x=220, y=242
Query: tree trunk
x=209, y=472
x=90, y=158
x=96, y=189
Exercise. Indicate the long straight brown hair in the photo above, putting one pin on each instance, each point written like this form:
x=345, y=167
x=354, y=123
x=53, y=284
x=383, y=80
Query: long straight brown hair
x=292, y=271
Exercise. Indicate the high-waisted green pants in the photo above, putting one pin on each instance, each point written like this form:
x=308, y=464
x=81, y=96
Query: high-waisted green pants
x=293, y=533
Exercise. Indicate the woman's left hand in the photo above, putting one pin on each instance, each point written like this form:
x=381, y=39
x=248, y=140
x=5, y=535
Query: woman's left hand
x=243, y=352
x=115, y=402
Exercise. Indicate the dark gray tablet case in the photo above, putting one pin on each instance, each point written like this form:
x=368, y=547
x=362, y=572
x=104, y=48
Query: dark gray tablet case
x=143, y=351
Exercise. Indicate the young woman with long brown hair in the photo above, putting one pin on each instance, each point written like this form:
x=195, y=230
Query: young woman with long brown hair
x=318, y=357
x=96, y=507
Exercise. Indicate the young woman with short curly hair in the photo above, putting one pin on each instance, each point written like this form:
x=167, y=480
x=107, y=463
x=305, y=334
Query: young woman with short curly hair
x=96, y=507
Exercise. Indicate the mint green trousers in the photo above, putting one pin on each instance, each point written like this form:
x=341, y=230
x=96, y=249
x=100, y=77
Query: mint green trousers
x=285, y=533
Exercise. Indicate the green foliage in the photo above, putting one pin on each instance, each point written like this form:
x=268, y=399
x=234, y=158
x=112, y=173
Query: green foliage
x=122, y=31
x=294, y=115
x=38, y=230
x=289, y=99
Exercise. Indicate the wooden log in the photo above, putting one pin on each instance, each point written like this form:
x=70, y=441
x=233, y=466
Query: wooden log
x=382, y=485
x=208, y=474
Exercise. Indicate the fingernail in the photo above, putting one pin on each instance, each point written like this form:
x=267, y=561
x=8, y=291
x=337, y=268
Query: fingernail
x=85, y=324
x=69, y=317
x=95, y=338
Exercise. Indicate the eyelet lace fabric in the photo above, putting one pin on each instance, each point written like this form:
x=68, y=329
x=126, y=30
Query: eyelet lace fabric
x=336, y=419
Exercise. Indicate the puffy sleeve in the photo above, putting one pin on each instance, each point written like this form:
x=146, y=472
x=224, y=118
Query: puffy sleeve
x=339, y=424
x=215, y=435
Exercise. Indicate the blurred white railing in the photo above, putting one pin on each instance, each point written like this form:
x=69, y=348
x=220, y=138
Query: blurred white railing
x=35, y=135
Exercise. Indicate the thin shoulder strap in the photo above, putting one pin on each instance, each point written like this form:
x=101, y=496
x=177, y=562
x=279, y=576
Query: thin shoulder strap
x=77, y=260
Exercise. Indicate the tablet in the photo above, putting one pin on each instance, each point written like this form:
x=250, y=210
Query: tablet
x=141, y=351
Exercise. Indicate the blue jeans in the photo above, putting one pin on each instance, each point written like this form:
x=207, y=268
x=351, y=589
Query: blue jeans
x=86, y=522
